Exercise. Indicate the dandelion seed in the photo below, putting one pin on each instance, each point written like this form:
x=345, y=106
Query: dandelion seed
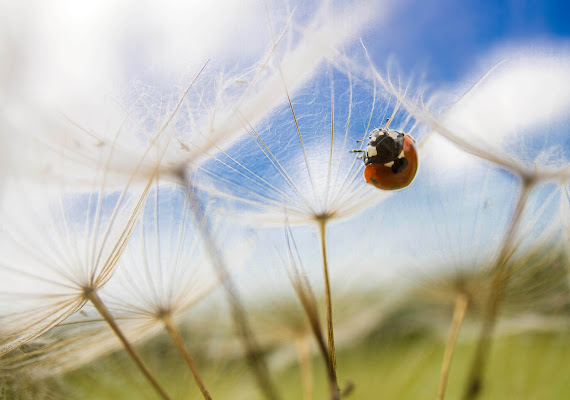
x=60, y=249
x=58, y=264
x=299, y=165
x=54, y=247
x=163, y=268
x=164, y=271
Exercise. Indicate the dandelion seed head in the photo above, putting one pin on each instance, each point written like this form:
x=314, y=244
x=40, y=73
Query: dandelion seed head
x=164, y=269
x=299, y=165
x=58, y=245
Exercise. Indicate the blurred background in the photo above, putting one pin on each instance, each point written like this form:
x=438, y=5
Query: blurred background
x=253, y=107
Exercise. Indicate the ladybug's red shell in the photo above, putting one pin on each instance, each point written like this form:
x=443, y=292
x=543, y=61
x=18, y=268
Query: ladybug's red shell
x=382, y=176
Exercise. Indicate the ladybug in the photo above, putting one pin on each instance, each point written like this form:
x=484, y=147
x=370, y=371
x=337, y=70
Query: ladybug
x=391, y=158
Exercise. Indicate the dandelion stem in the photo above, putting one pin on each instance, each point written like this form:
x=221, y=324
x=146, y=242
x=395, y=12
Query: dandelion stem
x=92, y=296
x=309, y=303
x=328, y=301
x=461, y=304
x=501, y=275
x=246, y=335
x=179, y=342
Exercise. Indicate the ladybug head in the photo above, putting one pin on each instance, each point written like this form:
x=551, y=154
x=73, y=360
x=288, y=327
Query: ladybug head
x=385, y=145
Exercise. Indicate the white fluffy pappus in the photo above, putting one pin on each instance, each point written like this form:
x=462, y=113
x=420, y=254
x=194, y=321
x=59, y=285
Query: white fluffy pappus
x=56, y=246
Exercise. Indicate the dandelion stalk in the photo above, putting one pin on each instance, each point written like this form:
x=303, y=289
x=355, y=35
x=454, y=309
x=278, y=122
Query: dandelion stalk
x=501, y=275
x=92, y=296
x=252, y=348
x=179, y=342
x=90, y=292
x=328, y=301
x=461, y=304
x=309, y=303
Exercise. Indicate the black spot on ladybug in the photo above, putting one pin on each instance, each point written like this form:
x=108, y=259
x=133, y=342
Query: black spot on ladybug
x=374, y=181
x=399, y=165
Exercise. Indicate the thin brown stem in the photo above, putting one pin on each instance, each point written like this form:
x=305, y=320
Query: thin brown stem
x=461, y=303
x=92, y=296
x=174, y=333
x=249, y=341
x=328, y=303
x=501, y=274
x=309, y=303
x=310, y=307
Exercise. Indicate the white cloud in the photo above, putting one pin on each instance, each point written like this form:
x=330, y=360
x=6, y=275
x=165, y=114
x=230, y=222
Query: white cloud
x=519, y=111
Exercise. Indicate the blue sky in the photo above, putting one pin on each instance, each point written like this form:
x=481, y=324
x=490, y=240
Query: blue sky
x=109, y=51
x=445, y=37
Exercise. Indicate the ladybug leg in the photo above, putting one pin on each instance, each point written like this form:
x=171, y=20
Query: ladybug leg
x=361, y=157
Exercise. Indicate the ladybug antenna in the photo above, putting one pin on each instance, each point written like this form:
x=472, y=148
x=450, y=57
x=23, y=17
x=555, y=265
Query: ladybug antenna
x=369, y=137
x=387, y=124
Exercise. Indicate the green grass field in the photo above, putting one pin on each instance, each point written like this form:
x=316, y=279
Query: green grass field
x=522, y=366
